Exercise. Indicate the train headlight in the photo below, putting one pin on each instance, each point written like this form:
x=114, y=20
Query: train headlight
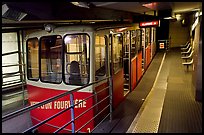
x=48, y=27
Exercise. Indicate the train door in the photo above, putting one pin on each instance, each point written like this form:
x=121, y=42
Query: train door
x=127, y=61
x=143, y=49
x=139, y=54
x=153, y=41
x=133, y=60
x=147, y=47
x=115, y=46
x=101, y=72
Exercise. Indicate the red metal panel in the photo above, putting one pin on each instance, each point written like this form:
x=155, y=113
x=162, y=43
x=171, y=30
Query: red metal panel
x=118, y=84
x=37, y=94
x=133, y=73
x=147, y=56
x=139, y=65
x=149, y=53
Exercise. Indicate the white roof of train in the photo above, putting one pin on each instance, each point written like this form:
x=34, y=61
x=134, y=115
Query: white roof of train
x=72, y=29
x=62, y=30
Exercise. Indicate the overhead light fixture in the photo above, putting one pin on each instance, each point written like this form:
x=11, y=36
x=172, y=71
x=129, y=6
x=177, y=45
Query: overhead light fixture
x=194, y=24
x=81, y=4
x=121, y=29
x=196, y=9
x=178, y=17
x=198, y=14
x=168, y=18
x=92, y=22
x=12, y=14
x=118, y=35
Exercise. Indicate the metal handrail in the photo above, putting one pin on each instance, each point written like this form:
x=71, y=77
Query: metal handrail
x=100, y=122
x=11, y=82
x=10, y=53
x=46, y=120
x=82, y=113
x=93, y=117
x=92, y=106
x=57, y=114
x=28, y=108
x=50, y=124
x=12, y=75
x=13, y=65
x=14, y=85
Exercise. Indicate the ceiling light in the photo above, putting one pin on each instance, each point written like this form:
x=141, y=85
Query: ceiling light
x=80, y=4
x=198, y=14
x=194, y=24
x=178, y=17
x=196, y=9
x=121, y=29
x=169, y=17
x=111, y=32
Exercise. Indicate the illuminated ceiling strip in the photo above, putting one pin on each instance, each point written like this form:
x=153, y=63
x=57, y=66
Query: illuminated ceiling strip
x=194, y=24
x=105, y=4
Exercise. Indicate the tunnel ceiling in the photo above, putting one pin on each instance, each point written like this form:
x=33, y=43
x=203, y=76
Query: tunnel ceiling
x=64, y=11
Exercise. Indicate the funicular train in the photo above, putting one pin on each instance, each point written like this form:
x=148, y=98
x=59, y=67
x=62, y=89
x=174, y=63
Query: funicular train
x=70, y=57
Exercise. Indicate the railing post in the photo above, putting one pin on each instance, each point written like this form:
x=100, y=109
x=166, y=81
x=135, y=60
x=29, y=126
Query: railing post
x=23, y=65
x=72, y=112
x=111, y=96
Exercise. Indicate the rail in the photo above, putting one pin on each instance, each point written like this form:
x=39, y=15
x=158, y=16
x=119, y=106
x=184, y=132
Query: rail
x=73, y=118
x=13, y=73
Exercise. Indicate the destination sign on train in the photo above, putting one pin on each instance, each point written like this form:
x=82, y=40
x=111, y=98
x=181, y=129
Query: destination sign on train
x=148, y=24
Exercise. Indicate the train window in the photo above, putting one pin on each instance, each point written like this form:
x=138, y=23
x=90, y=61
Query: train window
x=117, y=52
x=138, y=40
x=51, y=58
x=32, y=59
x=147, y=37
x=133, y=43
x=76, y=59
x=154, y=35
x=100, y=57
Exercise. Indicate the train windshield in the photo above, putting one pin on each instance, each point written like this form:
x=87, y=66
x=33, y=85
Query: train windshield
x=32, y=59
x=76, y=59
x=51, y=58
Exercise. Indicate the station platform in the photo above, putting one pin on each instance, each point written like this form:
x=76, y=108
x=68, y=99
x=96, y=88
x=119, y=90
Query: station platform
x=163, y=101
